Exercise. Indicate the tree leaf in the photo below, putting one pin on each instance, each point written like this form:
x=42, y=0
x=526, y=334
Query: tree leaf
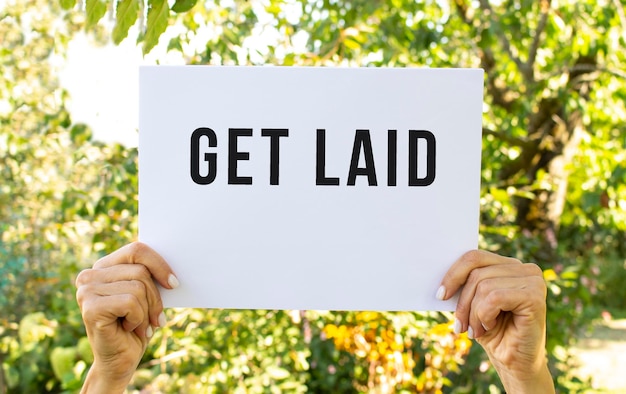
x=175, y=45
x=125, y=16
x=158, y=14
x=68, y=4
x=183, y=5
x=95, y=11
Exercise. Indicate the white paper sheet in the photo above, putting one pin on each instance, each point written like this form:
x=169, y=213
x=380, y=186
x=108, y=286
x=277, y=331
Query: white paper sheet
x=299, y=244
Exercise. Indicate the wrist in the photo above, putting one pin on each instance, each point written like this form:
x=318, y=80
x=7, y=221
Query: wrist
x=98, y=382
x=539, y=382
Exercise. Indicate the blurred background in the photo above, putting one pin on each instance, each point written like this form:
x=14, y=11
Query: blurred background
x=553, y=185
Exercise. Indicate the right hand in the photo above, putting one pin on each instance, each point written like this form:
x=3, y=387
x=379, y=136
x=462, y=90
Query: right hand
x=121, y=306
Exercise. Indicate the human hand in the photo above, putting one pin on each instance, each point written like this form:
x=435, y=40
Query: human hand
x=121, y=306
x=502, y=304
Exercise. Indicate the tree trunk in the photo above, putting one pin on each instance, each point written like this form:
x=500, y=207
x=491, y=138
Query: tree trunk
x=554, y=137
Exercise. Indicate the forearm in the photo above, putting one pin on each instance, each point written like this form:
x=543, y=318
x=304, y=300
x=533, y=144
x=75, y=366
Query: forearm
x=539, y=382
x=97, y=383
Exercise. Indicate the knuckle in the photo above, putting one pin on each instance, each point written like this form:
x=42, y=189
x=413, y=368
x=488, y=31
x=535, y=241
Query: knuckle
x=493, y=298
x=540, y=286
x=137, y=248
x=85, y=276
x=138, y=287
x=129, y=302
x=99, y=262
x=159, y=305
x=534, y=269
x=462, y=309
x=156, y=302
x=472, y=257
x=89, y=311
x=81, y=294
x=142, y=271
x=473, y=277
x=482, y=288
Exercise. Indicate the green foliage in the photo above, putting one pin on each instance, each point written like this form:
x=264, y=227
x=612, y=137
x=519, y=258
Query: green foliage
x=553, y=192
x=158, y=13
x=39, y=358
x=56, y=195
x=257, y=351
x=68, y=4
x=125, y=16
x=95, y=10
x=183, y=5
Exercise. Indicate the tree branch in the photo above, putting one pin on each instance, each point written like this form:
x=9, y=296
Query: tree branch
x=620, y=12
x=534, y=47
x=522, y=67
x=587, y=68
x=463, y=12
x=514, y=141
x=501, y=96
x=584, y=68
x=164, y=359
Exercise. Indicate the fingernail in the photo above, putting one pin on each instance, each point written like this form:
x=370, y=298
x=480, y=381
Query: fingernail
x=485, y=327
x=441, y=293
x=470, y=332
x=173, y=281
x=457, y=326
x=162, y=320
x=149, y=332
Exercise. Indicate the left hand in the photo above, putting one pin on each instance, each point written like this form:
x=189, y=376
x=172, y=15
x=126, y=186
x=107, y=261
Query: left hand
x=503, y=305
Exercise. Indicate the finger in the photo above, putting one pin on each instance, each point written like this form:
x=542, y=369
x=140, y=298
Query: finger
x=487, y=292
x=127, y=272
x=476, y=279
x=136, y=291
x=457, y=274
x=522, y=296
x=140, y=253
x=103, y=314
